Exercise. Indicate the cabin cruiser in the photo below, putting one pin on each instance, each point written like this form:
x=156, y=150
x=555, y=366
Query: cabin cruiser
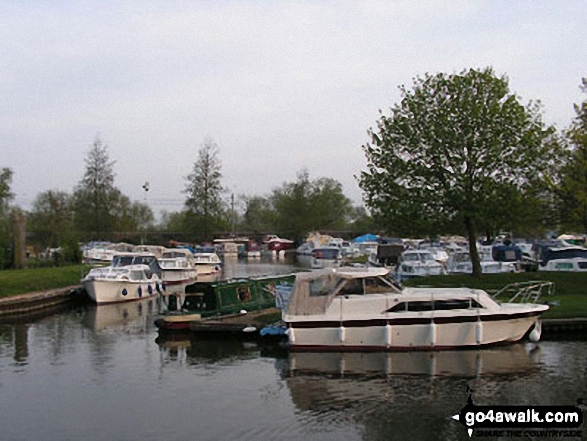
x=178, y=267
x=326, y=257
x=207, y=262
x=569, y=258
x=417, y=263
x=113, y=284
x=459, y=262
x=365, y=309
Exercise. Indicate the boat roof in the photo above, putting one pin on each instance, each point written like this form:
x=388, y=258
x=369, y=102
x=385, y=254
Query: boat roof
x=344, y=273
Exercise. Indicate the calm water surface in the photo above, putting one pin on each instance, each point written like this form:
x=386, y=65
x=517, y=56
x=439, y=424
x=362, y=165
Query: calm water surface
x=103, y=373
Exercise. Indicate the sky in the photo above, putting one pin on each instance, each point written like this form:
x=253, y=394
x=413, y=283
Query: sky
x=280, y=86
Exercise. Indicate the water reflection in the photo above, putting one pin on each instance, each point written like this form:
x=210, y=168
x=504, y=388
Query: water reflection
x=465, y=363
x=103, y=373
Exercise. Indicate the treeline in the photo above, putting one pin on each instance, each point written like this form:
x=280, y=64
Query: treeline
x=458, y=154
x=97, y=210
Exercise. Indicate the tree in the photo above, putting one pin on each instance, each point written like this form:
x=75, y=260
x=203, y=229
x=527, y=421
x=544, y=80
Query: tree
x=204, y=191
x=51, y=218
x=572, y=191
x=259, y=215
x=456, y=149
x=304, y=205
x=6, y=197
x=96, y=196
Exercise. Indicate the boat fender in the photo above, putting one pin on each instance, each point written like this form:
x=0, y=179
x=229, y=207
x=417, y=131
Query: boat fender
x=140, y=292
x=479, y=332
x=388, y=335
x=249, y=329
x=536, y=332
x=124, y=291
x=150, y=289
x=432, y=333
x=158, y=288
x=290, y=335
x=342, y=334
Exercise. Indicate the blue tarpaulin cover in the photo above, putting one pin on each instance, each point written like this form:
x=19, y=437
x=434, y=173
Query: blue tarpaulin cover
x=366, y=238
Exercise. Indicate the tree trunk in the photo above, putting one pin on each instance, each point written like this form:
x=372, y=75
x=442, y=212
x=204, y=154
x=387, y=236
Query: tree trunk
x=473, y=246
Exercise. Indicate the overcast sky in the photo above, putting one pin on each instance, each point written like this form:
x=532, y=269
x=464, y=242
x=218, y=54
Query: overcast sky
x=278, y=85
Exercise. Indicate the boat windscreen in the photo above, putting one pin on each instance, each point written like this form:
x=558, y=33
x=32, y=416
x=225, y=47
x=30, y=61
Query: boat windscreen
x=570, y=253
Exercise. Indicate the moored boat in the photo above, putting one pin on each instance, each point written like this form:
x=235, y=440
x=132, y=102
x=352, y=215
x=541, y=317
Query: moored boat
x=364, y=309
x=121, y=284
x=207, y=262
x=326, y=257
x=213, y=300
x=178, y=267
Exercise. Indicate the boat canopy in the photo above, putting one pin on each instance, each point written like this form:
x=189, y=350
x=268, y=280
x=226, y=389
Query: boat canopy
x=314, y=291
x=366, y=238
x=564, y=253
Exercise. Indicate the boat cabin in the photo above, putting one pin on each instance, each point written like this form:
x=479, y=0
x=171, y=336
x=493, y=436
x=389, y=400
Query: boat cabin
x=229, y=296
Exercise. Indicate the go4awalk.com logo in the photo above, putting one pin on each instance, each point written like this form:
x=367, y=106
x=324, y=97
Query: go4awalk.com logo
x=523, y=421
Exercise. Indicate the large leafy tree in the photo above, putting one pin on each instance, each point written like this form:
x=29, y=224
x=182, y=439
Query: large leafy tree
x=457, y=149
x=96, y=197
x=306, y=205
x=51, y=218
x=204, y=203
x=572, y=191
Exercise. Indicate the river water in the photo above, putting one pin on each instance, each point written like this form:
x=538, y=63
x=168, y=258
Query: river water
x=103, y=373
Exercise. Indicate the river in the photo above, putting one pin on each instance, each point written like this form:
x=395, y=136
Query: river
x=103, y=373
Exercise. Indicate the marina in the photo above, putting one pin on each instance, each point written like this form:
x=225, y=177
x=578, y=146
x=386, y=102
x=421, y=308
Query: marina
x=94, y=373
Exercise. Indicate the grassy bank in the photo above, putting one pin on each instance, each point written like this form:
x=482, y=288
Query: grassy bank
x=13, y=282
x=570, y=288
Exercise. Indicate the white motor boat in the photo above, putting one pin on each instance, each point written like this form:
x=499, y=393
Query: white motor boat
x=207, y=263
x=113, y=284
x=178, y=267
x=417, y=263
x=459, y=262
x=364, y=309
x=326, y=257
x=569, y=258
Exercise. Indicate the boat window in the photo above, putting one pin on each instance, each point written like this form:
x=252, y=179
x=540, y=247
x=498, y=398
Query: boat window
x=374, y=285
x=444, y=305
x=400, y=307
x=322, y=286
x=475, y=304
x=136, y=275
x=122, y=261
x=420, y=306
x=352, y=286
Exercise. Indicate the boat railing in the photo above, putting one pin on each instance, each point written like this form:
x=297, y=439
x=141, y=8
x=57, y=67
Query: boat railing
x=525, y=292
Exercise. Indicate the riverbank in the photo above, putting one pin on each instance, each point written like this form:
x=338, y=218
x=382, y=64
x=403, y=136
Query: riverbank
x=47, y=286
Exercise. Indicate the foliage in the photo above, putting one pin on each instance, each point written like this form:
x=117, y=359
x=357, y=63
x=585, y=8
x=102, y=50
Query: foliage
x=258, y=215
x=6, y=197
x=13, y=282
x=458, y=148
x=51, y=218
x=71, y=252
x=572, y=192
x=96, y=196
x=204, y=190
x=304, y=205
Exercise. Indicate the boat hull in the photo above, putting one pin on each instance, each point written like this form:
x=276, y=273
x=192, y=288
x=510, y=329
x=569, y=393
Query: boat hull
x=410, y=334
x=106, y=291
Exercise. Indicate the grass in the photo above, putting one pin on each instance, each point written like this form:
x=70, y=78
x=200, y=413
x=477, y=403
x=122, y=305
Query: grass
x=570, y=288
x=13, y=282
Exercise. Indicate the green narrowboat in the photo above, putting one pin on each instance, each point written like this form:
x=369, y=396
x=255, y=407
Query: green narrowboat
x=212, y=300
